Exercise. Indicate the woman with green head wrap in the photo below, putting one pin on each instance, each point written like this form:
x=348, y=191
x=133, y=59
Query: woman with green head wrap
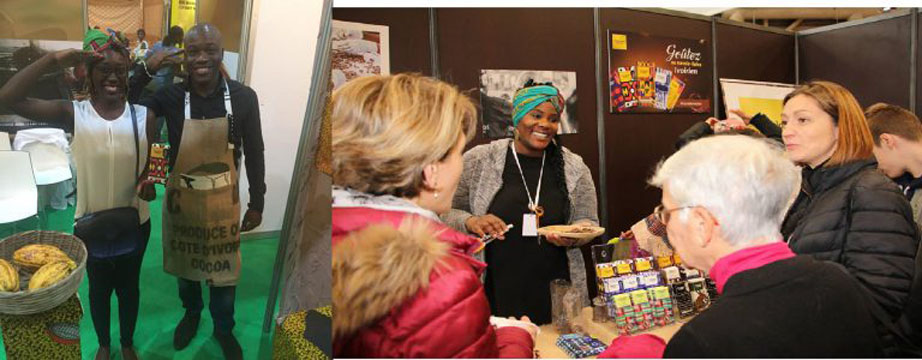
x=107, y=160
x=529, y=181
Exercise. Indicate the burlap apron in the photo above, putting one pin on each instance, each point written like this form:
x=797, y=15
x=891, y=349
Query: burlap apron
x=201, y=212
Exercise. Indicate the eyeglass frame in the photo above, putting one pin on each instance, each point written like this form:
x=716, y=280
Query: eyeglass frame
x=662, y=214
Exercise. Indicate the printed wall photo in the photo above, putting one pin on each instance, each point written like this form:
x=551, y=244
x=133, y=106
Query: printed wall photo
x=497, y=88
x=359, y=50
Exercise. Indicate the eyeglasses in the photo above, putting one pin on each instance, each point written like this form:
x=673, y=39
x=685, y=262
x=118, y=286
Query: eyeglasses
x=119, y=71
x=662, y=214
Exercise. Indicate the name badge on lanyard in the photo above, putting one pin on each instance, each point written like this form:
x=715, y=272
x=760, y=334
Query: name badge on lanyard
x=530, y=220
x=529, y=225
x=225, y=91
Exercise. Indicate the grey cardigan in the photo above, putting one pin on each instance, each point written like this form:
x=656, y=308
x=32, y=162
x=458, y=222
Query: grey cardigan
x=483, y=177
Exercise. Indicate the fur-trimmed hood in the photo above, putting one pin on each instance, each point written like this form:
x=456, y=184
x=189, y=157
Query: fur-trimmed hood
x=381, y=259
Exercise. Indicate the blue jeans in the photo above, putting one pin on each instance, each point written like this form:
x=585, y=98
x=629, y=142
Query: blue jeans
x=221, y=306
x=122, y=276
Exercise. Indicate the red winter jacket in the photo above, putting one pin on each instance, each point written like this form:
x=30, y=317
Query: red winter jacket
x=405, y=286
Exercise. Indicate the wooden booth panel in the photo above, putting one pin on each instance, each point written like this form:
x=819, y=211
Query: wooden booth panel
x=750, y=54
x=635, y=143
x=153, y=21
x=227, y=16
x=918, y=66
x=41, y=20
x=474, y=39
x=871, y=60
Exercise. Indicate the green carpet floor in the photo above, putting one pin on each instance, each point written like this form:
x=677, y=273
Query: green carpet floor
x=161, y=308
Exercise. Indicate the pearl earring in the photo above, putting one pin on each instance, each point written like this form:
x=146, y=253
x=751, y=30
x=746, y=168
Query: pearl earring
x=436, y=195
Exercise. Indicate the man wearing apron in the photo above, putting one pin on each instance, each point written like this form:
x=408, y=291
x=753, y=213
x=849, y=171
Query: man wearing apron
x=209, y=120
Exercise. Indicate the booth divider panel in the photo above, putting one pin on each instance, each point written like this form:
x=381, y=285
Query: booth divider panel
x=749, y=54
x=635, y=143
x=871, y=60
x=918, y=65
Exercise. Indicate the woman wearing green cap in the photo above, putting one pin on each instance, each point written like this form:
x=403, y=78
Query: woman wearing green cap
x=528, y=182
x=110, y=150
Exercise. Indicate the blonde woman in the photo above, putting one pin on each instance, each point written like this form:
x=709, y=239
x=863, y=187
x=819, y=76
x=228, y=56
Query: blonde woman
x=405, y=284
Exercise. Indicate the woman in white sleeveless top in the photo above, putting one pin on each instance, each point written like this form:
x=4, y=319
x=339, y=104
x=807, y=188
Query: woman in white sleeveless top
x=106, y=160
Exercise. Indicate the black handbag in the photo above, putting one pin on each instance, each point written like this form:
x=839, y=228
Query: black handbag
x=113, y=232
x=318, y=331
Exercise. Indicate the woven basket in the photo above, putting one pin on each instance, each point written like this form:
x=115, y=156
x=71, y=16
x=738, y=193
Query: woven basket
x=27, y=302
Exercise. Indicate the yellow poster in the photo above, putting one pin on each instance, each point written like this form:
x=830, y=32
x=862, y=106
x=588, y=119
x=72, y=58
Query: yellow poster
x=182, y=13
x=769, y=107
x=618, y=42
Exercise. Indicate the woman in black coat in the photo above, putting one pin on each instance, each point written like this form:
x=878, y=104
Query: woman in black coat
x=846, y=211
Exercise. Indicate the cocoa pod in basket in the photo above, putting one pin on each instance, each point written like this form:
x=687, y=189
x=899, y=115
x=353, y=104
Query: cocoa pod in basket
x=9, y=277
x=37, y=255
x=50, y=274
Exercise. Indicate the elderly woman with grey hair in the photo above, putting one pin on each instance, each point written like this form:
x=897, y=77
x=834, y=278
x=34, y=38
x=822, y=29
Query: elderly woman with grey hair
x=723, y=200
x=527, y=182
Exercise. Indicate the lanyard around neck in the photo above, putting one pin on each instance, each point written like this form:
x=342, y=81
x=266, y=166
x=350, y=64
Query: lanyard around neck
x=532, y=204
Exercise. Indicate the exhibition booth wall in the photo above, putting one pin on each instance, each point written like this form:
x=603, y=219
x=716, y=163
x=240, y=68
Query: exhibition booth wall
x=621, y=149
x=874, y=58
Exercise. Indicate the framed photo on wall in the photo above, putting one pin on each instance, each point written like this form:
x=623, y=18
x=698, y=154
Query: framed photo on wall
x=756, y=97
x=358, y=50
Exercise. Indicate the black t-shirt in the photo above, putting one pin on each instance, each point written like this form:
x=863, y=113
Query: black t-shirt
x=169, y=102
x=521, y=268
x=908, y=184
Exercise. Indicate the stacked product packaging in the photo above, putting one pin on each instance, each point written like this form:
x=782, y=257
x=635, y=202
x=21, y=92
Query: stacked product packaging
x=580, y=346
x=648, y=292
